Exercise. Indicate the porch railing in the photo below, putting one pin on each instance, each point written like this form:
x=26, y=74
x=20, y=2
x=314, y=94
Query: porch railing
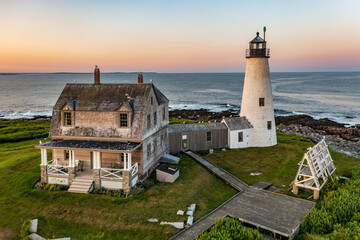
x=134, y=169
x=111, y=173
x=54, y=169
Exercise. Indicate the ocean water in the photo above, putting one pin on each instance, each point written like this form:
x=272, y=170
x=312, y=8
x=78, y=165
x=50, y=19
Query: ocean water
x=321, y=95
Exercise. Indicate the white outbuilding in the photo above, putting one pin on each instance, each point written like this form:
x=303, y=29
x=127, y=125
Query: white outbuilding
x=239, y=132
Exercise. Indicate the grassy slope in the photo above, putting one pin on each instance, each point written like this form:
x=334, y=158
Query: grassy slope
x=79, y=216
x=279, y=164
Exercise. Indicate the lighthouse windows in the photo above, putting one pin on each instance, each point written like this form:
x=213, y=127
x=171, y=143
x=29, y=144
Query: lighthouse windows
x=261, y=102
x=269, y=125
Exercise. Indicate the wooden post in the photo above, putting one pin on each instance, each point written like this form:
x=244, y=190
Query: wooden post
x=44, y=157
x=316, y=194
x=295, y=190
x=125, y=162
x=129, y=161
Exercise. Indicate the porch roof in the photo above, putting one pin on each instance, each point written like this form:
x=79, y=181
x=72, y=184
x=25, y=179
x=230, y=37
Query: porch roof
x=91, y=145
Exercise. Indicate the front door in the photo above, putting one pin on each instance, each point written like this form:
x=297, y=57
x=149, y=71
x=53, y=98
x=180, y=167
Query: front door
x=184, y=142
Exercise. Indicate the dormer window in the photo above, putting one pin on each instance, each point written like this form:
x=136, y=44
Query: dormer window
x=67, y=119
x=124, y=120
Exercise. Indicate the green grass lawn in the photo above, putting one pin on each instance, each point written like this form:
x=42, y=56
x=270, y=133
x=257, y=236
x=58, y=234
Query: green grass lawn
x=180, y=121
x=80, y=216
x=279, y=164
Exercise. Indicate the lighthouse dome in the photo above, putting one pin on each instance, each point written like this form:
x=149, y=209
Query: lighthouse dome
x=257, y=48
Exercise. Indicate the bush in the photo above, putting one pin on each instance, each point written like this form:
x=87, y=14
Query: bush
x=230, y=229
x=337, y=212
x=25, y=230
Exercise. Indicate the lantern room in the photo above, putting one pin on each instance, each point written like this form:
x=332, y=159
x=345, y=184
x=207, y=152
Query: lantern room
x=257, y=47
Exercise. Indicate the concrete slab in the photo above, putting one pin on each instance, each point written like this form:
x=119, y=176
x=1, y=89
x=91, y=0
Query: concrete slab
x=35, y=236
x=33, y=225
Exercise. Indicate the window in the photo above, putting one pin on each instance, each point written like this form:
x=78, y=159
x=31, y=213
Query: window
x=163, y=114
x=66, y=154
x=122, y=156
x=124, y=120
x=155, y=146
x=261, y=102
x=269, y=125
x=240, y=137
x=155, y=118
x=152, y=100
x=148, y=150
x=67, y=118
x=208, y=136
x=184, y=141
x=162, y=139
x=148, y=121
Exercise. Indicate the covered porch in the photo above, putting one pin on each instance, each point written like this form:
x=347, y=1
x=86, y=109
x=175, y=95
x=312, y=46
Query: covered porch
x=113, y=165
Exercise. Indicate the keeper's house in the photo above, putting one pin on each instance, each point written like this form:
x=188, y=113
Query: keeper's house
x=105, y=135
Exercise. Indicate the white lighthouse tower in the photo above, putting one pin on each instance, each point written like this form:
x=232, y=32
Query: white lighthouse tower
x=257, y=101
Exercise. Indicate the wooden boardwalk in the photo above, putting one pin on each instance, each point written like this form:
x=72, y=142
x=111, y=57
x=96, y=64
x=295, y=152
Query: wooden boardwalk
x=279, y=214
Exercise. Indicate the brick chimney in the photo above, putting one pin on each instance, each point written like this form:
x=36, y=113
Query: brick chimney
x=96, y=75
x=140, y=78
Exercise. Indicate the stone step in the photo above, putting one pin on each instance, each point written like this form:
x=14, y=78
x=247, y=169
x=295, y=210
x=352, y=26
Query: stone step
x=82, y=180
x=78, y=190
x=80, y=186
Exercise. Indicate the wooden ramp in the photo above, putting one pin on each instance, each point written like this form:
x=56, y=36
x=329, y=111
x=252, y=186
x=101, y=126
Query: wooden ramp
x=277, y=213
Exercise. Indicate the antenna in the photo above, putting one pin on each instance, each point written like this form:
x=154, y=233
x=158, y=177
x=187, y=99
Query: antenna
x=264, y=32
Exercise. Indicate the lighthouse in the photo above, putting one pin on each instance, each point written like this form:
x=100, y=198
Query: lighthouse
x=257, y=101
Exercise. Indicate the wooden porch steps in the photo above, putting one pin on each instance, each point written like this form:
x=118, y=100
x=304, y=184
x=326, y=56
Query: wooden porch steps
x=81, y=185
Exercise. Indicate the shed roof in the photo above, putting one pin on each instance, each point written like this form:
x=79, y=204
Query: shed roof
x=237, y=123
x=168, y=169
x=107, y=97
x=93, y=145
x=196, y=127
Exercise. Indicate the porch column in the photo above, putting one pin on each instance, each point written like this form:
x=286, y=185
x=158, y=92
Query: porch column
x=97, y=169
x=71, y=168
x=125, y=161
x=43, y=165
x=129, y=161
x=71, y=158
x=44, y=157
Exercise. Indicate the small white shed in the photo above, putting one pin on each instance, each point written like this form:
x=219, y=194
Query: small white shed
x=239, y=132
x=167, y=173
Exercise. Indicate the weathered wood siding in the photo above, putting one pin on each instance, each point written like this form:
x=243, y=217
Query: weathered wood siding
x=197, y=140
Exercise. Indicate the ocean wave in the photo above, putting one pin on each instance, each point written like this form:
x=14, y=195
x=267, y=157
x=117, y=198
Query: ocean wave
x=26, y=115
x=213, y=91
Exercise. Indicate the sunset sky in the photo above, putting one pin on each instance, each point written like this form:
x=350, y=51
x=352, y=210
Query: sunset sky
x=176, y=36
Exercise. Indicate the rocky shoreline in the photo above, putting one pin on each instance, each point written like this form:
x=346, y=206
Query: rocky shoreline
x=338, y=136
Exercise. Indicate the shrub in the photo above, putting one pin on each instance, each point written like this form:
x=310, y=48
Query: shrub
x=230, y=229
x=337, y=211
x=25, y=230
x=47, y=186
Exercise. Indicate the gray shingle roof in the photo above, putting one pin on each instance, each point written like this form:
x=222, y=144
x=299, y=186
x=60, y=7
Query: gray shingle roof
x=87, y=144
x=237, y=123
x=106, y=97
x=196, y=127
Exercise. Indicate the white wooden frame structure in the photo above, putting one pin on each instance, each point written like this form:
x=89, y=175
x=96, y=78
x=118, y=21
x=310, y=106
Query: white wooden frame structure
x=315, y=168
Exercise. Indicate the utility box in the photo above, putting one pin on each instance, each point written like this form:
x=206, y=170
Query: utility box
x=167, y=173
